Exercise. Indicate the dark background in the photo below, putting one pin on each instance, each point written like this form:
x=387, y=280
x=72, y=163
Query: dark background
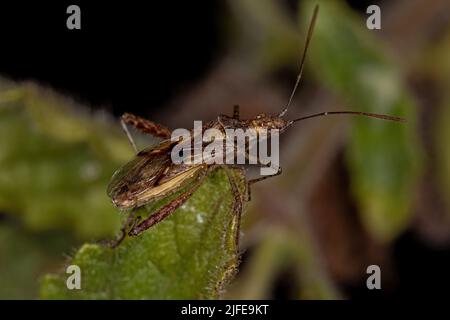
x=119, y=44
x=130, y=56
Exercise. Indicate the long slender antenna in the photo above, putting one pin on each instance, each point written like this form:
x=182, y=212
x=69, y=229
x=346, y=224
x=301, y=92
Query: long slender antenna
x=357, y=113
x=302, y=63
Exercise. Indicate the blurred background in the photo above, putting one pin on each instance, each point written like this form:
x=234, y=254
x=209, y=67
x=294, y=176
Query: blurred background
x=354, y=191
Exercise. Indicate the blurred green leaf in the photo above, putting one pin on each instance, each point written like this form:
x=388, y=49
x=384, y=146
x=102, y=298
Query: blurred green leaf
x=383, y=157
x=283, y=250
x=442, y=138
x=437, y=62
x=267, y=36
x=24, y=257
x=56, y=162
x=189, y=255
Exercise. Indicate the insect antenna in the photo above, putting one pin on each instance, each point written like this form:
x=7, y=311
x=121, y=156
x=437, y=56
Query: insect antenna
x=357, y=113
x=321, y=114
x=302, y=63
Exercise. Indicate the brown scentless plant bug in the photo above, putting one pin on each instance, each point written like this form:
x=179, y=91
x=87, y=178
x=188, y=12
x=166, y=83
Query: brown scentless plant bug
x=152, y=176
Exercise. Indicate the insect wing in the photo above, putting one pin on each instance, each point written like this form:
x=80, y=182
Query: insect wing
x=140, y=173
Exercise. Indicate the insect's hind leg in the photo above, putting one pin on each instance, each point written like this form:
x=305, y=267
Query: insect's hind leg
x=129, y=223
x=164, y=211
x=237, y=203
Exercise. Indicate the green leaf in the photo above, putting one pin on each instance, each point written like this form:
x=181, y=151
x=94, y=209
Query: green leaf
x=384, y=158
x=56, y=162
x=190, y=255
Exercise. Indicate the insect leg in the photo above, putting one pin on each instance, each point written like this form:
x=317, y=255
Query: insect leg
x=127, y=132
x=252, y=181
x=146, y=126
x=237, y=203
x=164, y=212
x=131, y=221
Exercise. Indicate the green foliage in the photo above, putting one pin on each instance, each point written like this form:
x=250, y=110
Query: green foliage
x=438, y=63
x=24, y=257
x=55, y=164
x=189, y=255
x=383, y=157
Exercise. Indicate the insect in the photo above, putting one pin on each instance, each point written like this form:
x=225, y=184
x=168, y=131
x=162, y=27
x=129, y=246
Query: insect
x=152, y=176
